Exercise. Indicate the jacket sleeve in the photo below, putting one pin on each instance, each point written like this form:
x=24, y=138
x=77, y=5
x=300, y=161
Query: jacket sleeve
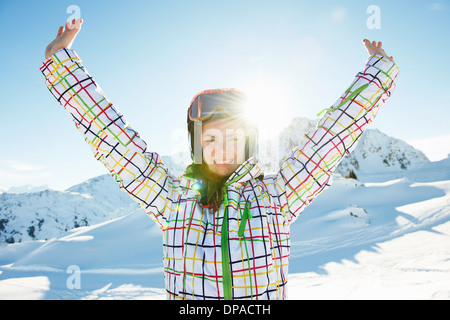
x=308, y=168
x=114, y=143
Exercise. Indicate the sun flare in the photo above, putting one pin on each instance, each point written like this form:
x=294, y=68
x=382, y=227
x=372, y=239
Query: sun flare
x=267, y=108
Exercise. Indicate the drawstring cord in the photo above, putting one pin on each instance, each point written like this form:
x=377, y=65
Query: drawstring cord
x=246, y=216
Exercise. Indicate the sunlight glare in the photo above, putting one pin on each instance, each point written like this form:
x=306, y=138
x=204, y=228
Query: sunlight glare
x=267, y=107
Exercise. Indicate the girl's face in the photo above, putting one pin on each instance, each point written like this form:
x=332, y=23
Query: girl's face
x=223, y=144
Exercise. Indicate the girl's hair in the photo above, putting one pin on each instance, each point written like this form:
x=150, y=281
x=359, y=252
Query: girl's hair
x=212, y=185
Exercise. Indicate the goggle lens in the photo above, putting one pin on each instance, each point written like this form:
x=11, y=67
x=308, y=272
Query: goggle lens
x=204, y=104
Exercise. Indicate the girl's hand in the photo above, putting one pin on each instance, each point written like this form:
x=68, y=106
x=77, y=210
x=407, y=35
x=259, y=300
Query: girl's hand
x=375, y=48
x=64, y=38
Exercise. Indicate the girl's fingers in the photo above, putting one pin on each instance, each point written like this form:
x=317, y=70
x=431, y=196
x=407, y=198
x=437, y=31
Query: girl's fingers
x=367, y=43
x=60, y=31
x=75, y=24
x=378, y=44
x=78, y=23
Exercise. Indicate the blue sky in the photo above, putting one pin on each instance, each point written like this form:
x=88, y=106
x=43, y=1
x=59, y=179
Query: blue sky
x=152, y=57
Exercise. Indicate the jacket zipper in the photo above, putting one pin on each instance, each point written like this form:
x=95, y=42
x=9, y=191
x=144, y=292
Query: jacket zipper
x=226, y=274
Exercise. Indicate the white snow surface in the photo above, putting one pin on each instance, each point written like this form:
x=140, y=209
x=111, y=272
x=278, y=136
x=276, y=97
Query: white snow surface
x=383, y=236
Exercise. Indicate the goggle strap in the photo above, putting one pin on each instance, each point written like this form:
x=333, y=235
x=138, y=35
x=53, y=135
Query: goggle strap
x=199, y=110
x=198, y=150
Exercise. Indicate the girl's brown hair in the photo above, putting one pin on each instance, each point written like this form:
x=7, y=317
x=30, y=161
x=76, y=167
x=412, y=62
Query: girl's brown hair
x=212, y=185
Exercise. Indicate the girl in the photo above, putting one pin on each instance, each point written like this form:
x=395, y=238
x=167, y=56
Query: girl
x=226, y=225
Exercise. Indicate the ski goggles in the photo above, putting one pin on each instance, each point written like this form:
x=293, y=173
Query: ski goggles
x=217, y=101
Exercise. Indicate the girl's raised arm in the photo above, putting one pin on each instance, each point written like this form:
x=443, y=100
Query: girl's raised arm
x=308, y=168
x=112, y=141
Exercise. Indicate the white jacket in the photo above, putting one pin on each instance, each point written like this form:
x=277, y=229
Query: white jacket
x=242, y=251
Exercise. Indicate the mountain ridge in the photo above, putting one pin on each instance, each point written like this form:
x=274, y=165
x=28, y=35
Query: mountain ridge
x=43, y=214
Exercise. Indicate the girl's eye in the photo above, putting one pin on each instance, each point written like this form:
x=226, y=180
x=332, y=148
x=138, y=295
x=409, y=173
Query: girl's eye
x=210, y=139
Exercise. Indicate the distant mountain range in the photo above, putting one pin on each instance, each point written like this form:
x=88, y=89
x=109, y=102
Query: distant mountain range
x=376, y=152
x=39, y=213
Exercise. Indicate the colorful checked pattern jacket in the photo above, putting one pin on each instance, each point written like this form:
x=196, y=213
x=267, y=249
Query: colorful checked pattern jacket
x=242, y=251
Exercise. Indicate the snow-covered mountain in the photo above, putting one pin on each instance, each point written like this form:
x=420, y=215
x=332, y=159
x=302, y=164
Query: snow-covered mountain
x=29, y=213
x=24, y=189
x=272, y=152
x=46, y=214
x=376, y=152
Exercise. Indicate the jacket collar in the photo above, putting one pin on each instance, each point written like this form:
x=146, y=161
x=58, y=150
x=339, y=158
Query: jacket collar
x=248, y=170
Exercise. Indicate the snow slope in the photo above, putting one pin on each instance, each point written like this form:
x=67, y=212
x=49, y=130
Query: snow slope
x=120, y=254
x=390, y=241
x=46, y=214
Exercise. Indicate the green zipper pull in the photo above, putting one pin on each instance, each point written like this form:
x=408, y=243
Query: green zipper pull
x=246, y=216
